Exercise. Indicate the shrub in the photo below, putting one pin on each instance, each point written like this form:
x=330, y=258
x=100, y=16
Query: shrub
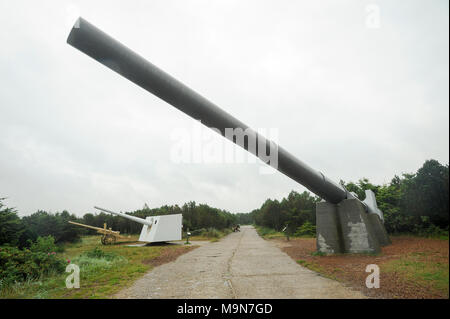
x=306, y=230
x=431, y=230
x=45, y=245
x=211, y=233
x=264, y=231
x=198, y=232
x=17, y=265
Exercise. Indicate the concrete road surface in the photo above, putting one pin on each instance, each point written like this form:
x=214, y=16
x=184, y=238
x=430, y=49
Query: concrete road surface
x=241, y=265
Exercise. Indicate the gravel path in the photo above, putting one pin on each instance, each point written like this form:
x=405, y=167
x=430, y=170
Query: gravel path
x=241, y=265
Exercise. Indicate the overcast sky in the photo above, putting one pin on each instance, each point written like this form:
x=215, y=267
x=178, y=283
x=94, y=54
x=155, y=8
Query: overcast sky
x=354, y=88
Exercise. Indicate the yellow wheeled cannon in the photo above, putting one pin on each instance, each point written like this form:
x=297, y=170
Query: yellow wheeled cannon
x=109, y=236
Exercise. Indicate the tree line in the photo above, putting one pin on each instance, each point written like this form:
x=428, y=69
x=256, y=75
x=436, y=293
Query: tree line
x=21, y=232
x=412, y=203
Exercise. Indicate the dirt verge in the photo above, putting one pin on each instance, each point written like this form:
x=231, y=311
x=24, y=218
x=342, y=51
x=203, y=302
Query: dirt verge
x=168, y=255
x=410, y=268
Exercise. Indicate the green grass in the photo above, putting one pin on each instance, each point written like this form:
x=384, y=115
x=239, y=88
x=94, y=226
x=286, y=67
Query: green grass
x=419, y=268
x=270, y=233
x=210, y=234
x=99, y=277
x=318, y=253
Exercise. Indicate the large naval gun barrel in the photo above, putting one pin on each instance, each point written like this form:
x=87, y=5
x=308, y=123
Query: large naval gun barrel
x=133, y=218
x=116, y=56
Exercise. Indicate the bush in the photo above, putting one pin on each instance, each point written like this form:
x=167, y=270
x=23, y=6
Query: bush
x=306, y=230
x=197, y=232
x=17, y=265
x=264, y=231
x=270, y=233
x=428, y=229
x=211, y=233
x=45, y=245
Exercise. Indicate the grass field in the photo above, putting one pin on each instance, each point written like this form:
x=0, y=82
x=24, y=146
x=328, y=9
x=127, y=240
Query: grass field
x=116, y=266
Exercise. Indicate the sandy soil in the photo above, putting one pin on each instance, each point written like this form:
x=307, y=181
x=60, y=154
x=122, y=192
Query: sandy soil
x=241, y=265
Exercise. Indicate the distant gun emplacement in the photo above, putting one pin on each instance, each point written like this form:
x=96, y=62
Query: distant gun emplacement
x=344, y=223
x=155, y=228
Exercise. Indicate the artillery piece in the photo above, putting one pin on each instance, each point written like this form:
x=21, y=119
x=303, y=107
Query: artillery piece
x=343, y=222
x=109, y=236
x=155, y=228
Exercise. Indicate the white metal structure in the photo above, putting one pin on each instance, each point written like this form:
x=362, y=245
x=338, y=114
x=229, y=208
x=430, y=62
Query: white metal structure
x=163, y=228
x=156, y=228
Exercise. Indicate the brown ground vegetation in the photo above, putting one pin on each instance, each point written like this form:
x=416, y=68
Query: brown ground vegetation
x=168, y=255
x=411, y=267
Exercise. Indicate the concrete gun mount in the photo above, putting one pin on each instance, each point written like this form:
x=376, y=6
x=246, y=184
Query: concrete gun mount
x=155, y=228
x=344, y=223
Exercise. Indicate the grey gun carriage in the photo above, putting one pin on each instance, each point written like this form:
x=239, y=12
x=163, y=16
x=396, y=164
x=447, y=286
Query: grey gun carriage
x=345, y=224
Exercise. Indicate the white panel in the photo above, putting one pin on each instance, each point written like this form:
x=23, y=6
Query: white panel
x=164, y=228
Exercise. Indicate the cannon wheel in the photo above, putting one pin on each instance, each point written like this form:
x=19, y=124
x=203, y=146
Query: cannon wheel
x=108, y=239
